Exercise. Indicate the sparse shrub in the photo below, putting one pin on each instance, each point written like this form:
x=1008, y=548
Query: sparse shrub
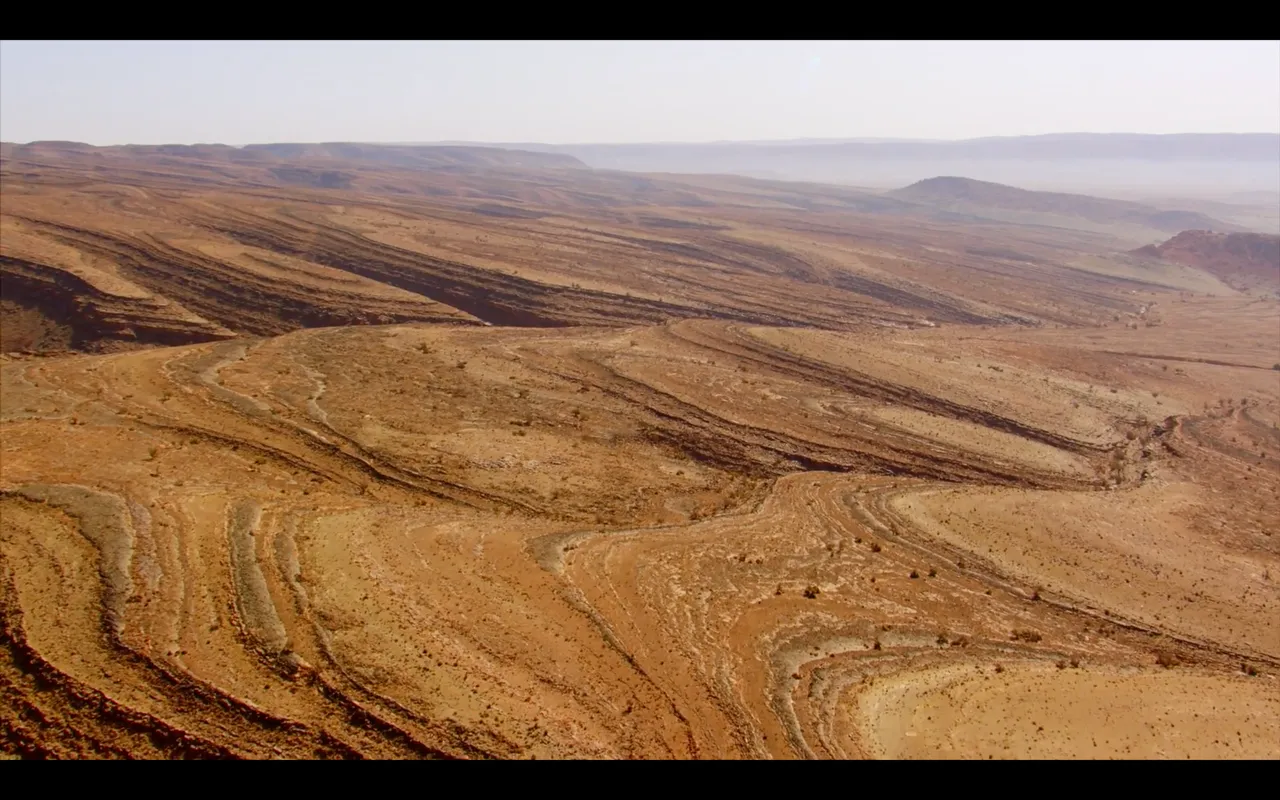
x=875, y=547
x=1275, y=366
x=933, y=573
x=461, y=365
x=811, y=591
x=1060, y=664
x=875, y=645
x=1035, y=595
x=999, y=668
x=1025, y=635
x=778, y=590
x=1249, y=669
x=942, y=640
x=1075, y=663
x=1167, y=658
x=914, y=574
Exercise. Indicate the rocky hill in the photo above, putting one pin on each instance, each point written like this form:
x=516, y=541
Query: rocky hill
x=974, y=196
x=1241, y=260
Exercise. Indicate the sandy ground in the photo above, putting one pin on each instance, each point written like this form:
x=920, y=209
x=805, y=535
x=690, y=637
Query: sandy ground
x=879, y=521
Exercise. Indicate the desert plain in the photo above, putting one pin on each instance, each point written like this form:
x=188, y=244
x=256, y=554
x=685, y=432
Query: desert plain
x=319, y=451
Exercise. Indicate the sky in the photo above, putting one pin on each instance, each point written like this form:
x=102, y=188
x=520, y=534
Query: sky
x=104, y=92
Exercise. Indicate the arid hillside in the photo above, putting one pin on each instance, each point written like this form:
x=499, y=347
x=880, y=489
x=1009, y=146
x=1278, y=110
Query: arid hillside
x=1241, y=260
x=109, y=247
x=536, y=461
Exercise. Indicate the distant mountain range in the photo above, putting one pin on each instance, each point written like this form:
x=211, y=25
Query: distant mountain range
x=395, y=156
x=398, y=169
x=1247, y=147
x=1199, y=164
x=1078, y=161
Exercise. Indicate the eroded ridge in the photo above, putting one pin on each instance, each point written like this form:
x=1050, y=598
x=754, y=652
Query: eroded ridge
x=105, y=249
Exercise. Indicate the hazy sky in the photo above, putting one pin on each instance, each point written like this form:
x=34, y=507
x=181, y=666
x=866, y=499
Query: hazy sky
x=574, y=92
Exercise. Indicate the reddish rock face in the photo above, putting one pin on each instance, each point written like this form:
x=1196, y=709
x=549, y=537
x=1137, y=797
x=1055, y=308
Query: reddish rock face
x=1241, y=260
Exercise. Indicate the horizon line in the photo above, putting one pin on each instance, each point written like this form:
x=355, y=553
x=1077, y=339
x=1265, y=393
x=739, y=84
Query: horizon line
x=800, y=141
